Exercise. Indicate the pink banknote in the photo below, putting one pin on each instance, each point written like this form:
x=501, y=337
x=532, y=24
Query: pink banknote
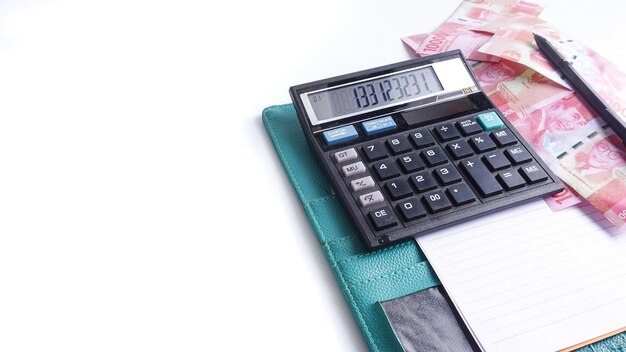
x=514, y=45
x=554, y=128
x=414, y=41
x=513, y=39
x=523, y=89
x=563, y=200
x=596, y=169
x=455, y=32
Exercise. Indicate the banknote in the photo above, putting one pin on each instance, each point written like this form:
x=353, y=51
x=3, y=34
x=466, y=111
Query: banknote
x=596, y=169
x=514, y=45
x=455, y=32
x=563, y=200
x=450, y=36
x=551, y=131
x=513, y=39
x=554, y=128
x=414, y=41
x=522, y=88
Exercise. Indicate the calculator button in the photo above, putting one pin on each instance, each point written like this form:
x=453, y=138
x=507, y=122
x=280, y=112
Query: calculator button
x=489, y=121
x=469, y=126
x=411, y=209
x=422, y=138
x=399, y=145
x=383, y=218
x=398, y=189
x=437, y=201
x=423, y=181
x=461, y=194
x=503, y=137
x=386, y=170
x=434, y=156
x=362, y=183
x=380, y=125
x=340, y=135
x=511, y=180
x=496, y=161
x=447, y=132
x=518, y=155
x=371, y=198
x=353, y=169
x=447, y=175
x=460, y=149
x=481, y=177
x=375, y=151
x=533, y=173
x=345, y=155
x=482, y=143
x=411, y=163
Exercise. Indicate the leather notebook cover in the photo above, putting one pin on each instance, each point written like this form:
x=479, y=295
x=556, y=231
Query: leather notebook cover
x=366, y=278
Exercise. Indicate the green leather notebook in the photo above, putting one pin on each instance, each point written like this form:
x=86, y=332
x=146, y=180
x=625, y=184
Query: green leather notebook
x=366, y=278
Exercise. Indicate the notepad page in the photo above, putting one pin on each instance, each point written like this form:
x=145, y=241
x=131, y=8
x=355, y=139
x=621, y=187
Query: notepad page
x=530, y=279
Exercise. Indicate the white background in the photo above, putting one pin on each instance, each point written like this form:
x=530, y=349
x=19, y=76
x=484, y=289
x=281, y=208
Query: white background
x=142, y=205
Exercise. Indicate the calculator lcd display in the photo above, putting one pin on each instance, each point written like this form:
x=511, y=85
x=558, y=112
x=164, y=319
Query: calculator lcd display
x=374, y=94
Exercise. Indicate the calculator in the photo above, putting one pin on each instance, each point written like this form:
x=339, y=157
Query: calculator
x=415, y=146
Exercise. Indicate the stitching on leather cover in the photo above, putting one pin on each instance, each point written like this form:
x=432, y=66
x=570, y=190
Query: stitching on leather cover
x=317, y=225
x=319, y=200
x=280, y=151
x=370, y=253
x=393, y=273
x=346, y=288
x=340, y=239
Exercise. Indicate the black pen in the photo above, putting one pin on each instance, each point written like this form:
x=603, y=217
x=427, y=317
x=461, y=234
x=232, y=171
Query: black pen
x=581, y=87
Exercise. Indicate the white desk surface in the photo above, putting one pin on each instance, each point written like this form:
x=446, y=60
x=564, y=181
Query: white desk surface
x=142, y=205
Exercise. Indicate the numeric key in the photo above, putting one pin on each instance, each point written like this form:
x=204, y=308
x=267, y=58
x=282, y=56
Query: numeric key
x=398, y=189
x=411, y=163
x=411, y=209
x=422, y=138
x=399, y=145
x=375, y=151
x=447, y=174
x=386, y=170
x=434, y=156
x=437, y=201
x=423, y=181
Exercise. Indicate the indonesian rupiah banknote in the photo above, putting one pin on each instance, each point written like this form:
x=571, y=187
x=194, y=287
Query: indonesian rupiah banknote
x=455, y=32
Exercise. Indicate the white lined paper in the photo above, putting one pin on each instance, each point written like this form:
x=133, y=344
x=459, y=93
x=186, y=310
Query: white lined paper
x=528, y=278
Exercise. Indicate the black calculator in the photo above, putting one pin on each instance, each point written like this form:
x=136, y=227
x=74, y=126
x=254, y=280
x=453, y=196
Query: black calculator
x=415, y=146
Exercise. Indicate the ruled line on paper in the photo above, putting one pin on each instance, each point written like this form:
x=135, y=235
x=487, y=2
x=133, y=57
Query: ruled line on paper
x=528, y=278
x=560, y=320
x=543, y=278
x=551, y=299
x=533, y=239
x=503, y=238
x=508, y=259
x=476, y=227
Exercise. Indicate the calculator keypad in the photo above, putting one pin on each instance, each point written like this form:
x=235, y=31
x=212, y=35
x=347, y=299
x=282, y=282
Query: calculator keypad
x=407, y=177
